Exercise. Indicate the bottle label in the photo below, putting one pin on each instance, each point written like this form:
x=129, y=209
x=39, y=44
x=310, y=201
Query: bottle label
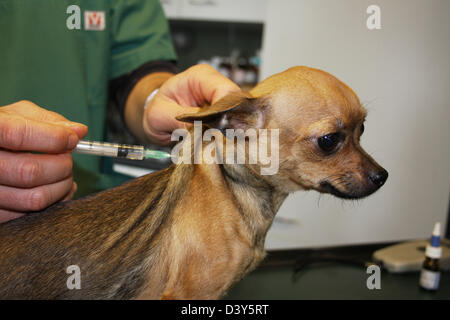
x=429, y=279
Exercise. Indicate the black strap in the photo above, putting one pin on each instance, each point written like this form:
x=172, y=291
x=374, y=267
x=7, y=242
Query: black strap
x=120, y=88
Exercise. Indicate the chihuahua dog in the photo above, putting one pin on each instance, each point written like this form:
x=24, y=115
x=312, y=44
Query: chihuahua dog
x=192, y=230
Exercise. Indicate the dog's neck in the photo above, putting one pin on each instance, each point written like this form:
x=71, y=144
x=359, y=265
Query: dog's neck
x=258, y=201
x=256, y=198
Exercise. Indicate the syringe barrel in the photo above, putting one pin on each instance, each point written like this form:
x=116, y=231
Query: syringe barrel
x=110, y=149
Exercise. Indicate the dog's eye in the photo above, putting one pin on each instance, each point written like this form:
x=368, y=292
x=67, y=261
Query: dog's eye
x=361, y=130
x=329, y=142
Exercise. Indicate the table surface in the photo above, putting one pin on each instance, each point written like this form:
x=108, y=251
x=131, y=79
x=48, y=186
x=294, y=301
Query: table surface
x=275, y=279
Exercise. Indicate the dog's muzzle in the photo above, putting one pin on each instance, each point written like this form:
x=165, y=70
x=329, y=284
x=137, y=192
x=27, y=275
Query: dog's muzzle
x=351, y=189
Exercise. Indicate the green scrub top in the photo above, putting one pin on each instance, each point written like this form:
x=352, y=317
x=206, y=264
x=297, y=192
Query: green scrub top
x=61, y=55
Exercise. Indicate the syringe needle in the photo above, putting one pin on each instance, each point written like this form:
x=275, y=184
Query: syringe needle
x=156, y=154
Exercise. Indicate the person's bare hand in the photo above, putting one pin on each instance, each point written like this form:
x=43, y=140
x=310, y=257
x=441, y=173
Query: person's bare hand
x=33, y=181
x=183, y=93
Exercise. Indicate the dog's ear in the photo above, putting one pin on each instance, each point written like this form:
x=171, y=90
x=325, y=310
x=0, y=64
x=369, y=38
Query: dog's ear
x=237, y=110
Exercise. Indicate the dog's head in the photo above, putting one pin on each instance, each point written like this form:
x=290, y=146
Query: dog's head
x=320, y=121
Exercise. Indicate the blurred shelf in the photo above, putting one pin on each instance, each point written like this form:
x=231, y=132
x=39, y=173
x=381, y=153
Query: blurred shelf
x=253, y=11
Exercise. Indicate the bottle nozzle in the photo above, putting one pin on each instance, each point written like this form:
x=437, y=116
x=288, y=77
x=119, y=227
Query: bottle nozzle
x=435, y=236
x=437, y=229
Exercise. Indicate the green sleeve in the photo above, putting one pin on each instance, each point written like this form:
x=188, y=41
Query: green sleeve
x=139, y=34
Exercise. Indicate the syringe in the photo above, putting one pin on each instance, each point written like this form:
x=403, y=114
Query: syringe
x=116, y=150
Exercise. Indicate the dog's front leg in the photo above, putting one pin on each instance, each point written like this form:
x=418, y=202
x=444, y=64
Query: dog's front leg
x=196, y=282
x=207, y=275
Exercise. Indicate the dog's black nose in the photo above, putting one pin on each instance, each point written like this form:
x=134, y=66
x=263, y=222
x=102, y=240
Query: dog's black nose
x=378, y=178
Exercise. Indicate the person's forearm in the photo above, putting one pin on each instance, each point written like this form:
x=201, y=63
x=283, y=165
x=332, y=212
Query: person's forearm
x=134, y=107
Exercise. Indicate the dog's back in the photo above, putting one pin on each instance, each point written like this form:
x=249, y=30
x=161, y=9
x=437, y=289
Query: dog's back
x=99, y=234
